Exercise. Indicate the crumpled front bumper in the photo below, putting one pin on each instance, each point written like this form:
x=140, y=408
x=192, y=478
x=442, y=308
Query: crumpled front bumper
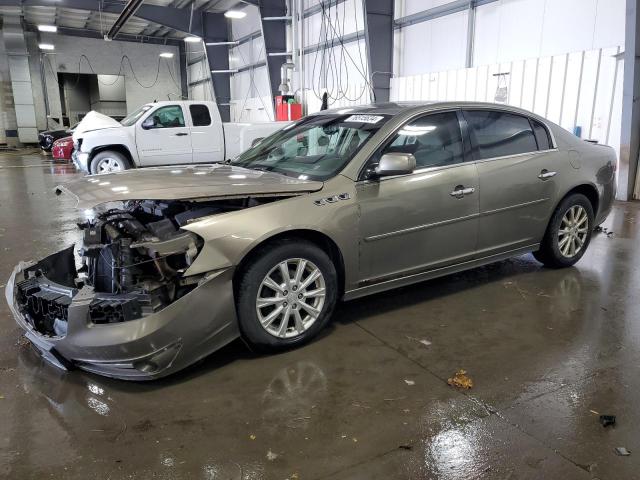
x=80, y=160
x=146, y=348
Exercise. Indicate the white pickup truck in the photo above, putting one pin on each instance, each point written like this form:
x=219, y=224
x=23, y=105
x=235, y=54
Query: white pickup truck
x=163, y=133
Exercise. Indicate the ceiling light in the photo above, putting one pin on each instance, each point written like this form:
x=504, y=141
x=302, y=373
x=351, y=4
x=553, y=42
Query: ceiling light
x=48, y=28
x=46, y=46
x=166, y=55
x=235, y=14
x=192, y=39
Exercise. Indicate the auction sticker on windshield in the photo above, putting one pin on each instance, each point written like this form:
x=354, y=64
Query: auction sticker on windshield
x=364, y=118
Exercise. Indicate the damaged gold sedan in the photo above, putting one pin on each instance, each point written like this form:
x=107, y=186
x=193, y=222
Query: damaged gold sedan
x=179, y=261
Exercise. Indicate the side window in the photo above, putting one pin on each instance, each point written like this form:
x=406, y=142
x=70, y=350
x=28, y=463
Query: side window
x=435, y=140
x=168, y=117
x=542, y=136
x=499, y=134
x=200, y=115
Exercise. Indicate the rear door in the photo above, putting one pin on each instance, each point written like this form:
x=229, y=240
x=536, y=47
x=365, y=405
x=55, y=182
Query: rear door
x=424, y=220
x=163, y=137
x=206, y=134
x=516, y=171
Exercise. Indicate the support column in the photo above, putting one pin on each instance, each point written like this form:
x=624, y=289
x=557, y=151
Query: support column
x=630, y=130
x=16, y=48
x=378, y=28
x=215, y=29
x=275, y=40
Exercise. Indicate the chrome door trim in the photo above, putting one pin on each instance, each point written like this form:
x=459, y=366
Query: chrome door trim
x=513, y=207
x=525, y=154
x=417, y=228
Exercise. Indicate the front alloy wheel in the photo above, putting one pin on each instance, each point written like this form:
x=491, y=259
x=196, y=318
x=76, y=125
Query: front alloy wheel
x=290, y=298
x=108, y=165
x=285, y=293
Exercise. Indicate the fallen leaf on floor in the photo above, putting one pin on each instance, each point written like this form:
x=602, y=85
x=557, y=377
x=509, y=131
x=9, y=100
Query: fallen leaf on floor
x=409, y=382
x=425, y=342
x=271, y=456
x=252, y=436
x=623, y=452
x=461, y=380
x=355, y=440
x=594, y=412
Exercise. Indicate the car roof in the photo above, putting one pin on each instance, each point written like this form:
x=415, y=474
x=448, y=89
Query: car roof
x=396, y=108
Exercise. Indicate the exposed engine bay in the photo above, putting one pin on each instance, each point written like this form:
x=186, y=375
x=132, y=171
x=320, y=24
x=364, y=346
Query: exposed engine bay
x=133, y=259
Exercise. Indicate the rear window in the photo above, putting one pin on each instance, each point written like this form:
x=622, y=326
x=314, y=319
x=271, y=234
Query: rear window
x=542, y=135
x=200, y=115
x=499, y=134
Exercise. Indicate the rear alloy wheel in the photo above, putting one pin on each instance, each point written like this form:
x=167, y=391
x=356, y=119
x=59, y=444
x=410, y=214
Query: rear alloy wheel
x=286, y=295
x=568, y=234
x=108, y=162
x=573, y=231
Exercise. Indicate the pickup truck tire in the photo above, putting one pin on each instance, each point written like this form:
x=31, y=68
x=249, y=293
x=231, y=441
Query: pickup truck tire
x=277, y=312
x=109, y=161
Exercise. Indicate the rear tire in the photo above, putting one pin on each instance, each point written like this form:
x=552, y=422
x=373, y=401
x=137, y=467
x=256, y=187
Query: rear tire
x=568, y=233
x=274, y=312
x=109, y=161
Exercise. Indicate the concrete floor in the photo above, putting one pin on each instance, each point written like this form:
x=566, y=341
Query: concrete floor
x=369, y=400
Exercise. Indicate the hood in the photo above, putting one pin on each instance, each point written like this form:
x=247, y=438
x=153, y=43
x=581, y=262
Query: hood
x=182, y=183
x=94, y=121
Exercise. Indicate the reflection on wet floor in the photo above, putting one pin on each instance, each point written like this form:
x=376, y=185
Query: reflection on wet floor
x=369, y=399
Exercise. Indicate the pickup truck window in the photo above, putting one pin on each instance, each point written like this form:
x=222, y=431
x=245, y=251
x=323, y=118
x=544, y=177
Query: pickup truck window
x=134, y=116
x=168, y=117
x=200, y=115
x=315, y=148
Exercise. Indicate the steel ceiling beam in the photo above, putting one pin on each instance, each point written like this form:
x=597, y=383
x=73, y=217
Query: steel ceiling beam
x=128, y=11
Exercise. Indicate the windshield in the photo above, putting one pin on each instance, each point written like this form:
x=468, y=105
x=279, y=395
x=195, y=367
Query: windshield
x=134, y=116
x=316, y=148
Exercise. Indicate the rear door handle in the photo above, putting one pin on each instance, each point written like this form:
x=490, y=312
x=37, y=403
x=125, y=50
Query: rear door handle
x=181, y=134
x=545, y=174
x=460, y=191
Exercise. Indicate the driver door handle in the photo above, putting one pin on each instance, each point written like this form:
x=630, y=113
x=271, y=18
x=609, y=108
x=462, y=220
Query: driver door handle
x=460, y=191
x=181, y=134
x=546, y=174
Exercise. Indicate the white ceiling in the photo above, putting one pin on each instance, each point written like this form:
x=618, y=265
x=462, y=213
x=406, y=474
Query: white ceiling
x=101, y=22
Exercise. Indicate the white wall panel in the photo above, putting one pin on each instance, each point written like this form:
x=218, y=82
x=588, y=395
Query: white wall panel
x=435, y=45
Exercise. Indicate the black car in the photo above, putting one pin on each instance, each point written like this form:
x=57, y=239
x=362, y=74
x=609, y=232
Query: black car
x=46, y=138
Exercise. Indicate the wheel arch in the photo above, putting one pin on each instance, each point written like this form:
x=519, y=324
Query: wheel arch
x=589, y=191
x=321, y=240
x=117, y=147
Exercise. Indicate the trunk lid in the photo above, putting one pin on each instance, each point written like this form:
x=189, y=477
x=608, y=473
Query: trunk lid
x=182, y=183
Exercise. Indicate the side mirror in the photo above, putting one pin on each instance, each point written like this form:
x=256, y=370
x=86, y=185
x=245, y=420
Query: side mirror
x=396, y=164
x=148, y=123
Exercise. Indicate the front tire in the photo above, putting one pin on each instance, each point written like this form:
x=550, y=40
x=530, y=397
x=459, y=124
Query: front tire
x=286, y=294
x=109, y=161
x=568, y=234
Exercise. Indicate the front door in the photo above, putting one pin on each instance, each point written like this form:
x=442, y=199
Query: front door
x=516, y=173
x=424, y=220
x=162, y=138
